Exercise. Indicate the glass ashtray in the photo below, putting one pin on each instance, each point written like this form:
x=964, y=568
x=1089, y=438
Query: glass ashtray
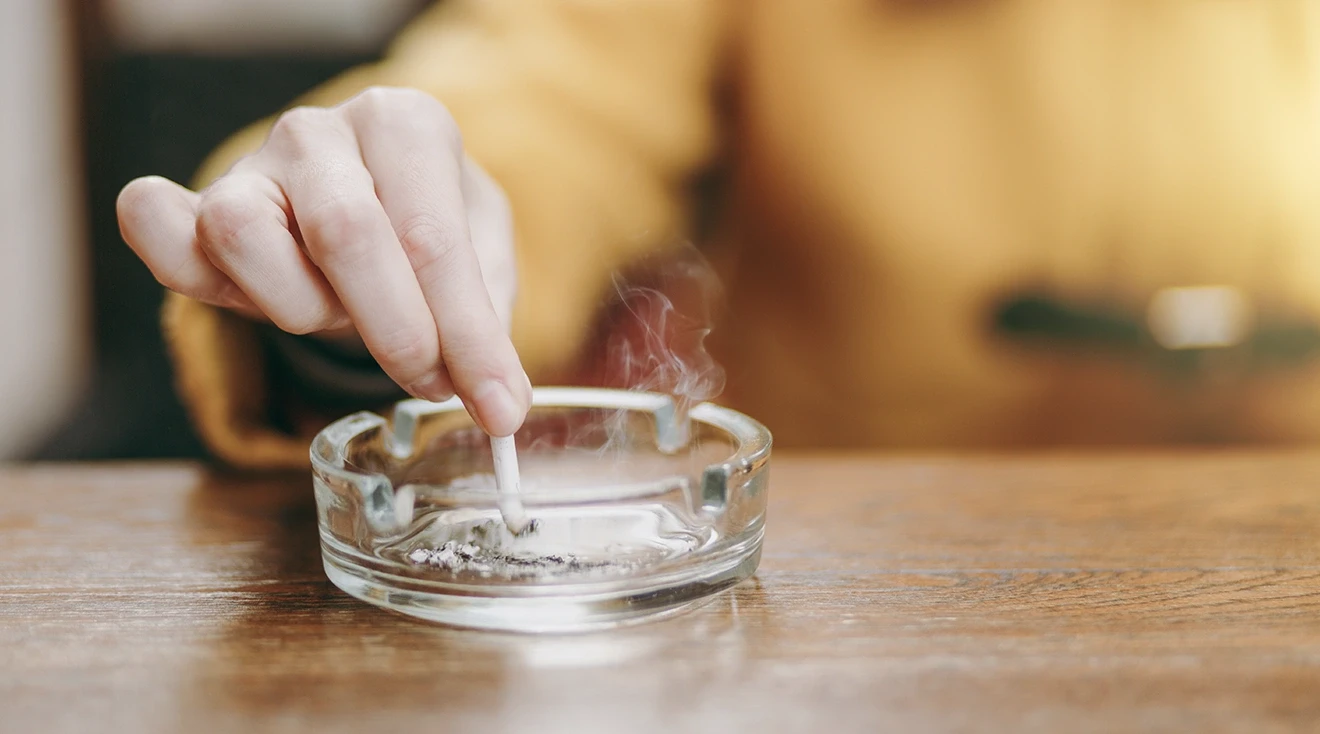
x=638, y=510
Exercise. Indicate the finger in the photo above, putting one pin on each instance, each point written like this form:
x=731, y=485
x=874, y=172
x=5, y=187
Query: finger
x=348, y=236
x=415, y=161
x=243, y=227
x=158, y=218
x=490, y=224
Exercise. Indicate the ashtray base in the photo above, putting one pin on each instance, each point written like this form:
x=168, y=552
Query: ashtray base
x=598, y=606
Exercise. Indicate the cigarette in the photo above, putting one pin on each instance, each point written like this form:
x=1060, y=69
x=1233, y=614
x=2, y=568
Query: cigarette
x=507, y=484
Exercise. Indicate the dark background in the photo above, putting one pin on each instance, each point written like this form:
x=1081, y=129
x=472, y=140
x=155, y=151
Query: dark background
x=154, y=114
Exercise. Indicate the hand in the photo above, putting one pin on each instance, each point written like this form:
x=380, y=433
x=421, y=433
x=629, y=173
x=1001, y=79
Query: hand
x=365, y=216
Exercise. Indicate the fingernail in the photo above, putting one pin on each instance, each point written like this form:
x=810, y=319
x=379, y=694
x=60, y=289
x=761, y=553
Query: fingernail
x=434, y=387
x=499, y=412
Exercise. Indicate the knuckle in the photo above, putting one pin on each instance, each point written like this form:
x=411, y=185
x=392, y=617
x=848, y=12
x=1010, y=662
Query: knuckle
x=306, y=321
x=410, y=110
x=403, y=99
x=406, y=354
x=338, y=233
x=432, y=243
x=378, y=96
x=301, y=127
x=222, y=218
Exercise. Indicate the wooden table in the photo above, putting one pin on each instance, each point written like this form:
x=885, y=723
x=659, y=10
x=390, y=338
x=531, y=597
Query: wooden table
x=1050, y=593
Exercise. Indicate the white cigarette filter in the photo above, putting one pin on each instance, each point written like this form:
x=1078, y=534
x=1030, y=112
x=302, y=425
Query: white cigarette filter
x=508, y=486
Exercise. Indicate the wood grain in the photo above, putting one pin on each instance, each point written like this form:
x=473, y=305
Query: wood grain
x=1038, y=593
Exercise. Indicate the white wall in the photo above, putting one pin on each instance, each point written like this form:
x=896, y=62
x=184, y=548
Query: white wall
x=247, y=26
x=44, y=341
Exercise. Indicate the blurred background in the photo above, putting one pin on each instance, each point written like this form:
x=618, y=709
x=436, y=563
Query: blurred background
x=974, y=224
x=112, y=90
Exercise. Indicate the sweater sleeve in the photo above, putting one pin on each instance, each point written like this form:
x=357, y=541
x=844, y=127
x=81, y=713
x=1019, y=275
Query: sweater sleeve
x=593, y=116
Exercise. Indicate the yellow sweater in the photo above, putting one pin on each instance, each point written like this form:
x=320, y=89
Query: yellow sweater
x=895, y=167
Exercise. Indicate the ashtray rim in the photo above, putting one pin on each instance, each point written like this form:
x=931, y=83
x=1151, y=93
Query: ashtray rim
x=329, y=446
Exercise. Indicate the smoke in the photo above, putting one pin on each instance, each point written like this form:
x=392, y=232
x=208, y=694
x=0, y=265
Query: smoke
x=663, y=313
x=651, y=336
x=656, y=328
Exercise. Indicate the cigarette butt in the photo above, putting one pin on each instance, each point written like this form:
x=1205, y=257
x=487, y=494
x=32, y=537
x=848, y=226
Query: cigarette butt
x=405, y=500
x=508, y=484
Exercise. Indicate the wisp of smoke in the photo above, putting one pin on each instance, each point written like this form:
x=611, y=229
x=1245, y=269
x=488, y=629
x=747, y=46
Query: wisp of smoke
x=652, y=337
x=661, y=314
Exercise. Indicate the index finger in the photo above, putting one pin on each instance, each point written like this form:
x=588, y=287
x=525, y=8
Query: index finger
x=416, y=163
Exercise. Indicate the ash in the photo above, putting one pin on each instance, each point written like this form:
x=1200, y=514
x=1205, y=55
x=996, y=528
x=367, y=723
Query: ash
x=487, y=562
x=485, y=550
